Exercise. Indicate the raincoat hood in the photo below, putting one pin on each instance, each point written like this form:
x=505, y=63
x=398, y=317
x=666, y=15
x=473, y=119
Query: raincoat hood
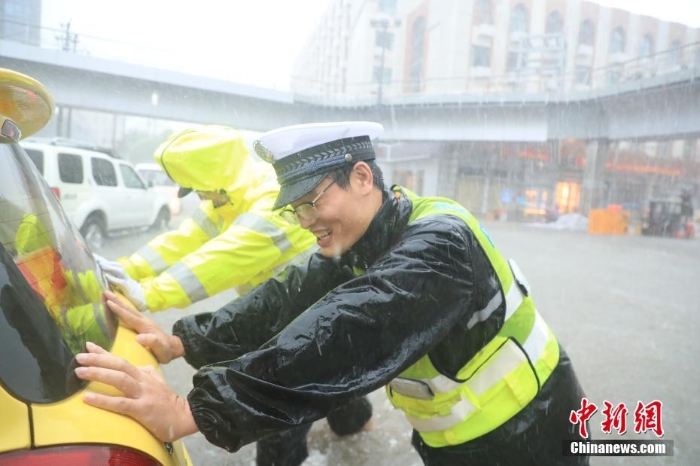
x=210, y=158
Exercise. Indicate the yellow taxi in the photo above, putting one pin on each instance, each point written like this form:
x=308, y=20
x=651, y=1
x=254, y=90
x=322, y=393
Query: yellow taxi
x=50, y=306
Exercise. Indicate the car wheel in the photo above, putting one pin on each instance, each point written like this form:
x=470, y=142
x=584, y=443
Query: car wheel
x=94, y=232
x=162, y=220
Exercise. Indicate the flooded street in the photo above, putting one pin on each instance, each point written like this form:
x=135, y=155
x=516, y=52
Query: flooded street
x=623, y=307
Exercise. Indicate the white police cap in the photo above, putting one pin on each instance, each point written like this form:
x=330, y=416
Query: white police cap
x=303, y=155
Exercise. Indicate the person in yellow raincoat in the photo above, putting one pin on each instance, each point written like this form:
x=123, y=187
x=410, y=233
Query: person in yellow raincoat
x=233, y=240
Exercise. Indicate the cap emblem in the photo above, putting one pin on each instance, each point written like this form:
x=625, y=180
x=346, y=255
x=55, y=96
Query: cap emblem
x=263, y=152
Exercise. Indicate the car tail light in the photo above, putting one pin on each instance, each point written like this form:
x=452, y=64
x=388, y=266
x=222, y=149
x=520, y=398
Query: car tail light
x=78, y=455
x=57, y=192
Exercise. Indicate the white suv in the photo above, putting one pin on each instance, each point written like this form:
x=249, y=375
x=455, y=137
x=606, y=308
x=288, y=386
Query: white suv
x=160, y=181
x=100, y=193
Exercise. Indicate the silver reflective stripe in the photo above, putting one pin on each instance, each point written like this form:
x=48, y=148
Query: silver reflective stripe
x=506, y=361
x=442, y=384
x=537, y=340
x=485, y=313
x=514, y=299
x=460, y=411
x=205, y=223
x=413, y=388
x=265, y=227
x=152, y=258
x=188, y=281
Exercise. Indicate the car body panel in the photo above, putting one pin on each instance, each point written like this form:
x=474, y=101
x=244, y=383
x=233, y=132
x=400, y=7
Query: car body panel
x=72, y=421
x=14, y=435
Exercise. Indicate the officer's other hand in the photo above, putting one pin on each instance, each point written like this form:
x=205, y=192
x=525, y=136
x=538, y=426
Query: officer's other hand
x=164, y=347
x=130, y=288
x=111, y=268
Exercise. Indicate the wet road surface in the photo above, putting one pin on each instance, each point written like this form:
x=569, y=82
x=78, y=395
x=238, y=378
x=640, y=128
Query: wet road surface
x=625, y=308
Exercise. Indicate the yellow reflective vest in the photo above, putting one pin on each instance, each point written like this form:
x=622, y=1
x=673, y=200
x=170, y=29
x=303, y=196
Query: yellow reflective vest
x=236, y=245
x=501, y=379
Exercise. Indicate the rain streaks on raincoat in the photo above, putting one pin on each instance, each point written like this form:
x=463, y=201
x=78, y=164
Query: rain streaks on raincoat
x=239, y=244
x=305, y=343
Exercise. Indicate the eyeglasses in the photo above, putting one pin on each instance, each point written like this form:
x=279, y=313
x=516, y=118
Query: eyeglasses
x=306, y=211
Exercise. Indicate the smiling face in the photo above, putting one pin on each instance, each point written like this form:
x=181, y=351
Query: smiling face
x=344, y=214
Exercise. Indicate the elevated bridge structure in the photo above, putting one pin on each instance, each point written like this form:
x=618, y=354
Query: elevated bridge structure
x=637, y=103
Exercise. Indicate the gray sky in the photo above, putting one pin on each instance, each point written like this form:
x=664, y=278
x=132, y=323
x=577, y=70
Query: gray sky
x=247, y=41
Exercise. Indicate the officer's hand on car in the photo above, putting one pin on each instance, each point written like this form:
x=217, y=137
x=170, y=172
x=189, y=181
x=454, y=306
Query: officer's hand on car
x=109, y=267
x=146, y=397
x=164, y=347
x=130, y=288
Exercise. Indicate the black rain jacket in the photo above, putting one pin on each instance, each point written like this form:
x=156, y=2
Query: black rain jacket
x=301, y=345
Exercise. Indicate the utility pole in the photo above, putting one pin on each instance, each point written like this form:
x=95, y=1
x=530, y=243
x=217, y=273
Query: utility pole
x=69, y=39
x=382, y=26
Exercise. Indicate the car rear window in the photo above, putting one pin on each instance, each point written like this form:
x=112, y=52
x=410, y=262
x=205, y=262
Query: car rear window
x=50, y=293
x=70, y=168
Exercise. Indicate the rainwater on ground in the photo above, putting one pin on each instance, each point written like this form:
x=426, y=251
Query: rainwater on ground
x=625, y=308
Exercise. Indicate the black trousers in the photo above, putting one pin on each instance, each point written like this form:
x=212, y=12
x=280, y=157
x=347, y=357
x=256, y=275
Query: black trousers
x=288, y=448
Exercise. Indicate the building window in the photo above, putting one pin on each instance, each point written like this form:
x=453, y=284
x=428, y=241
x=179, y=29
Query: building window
x=384, y=39
x=678, y=149
x=518, y=18
x=17, y=9
x=646, y=47
x=515, y=60
x=417, y=47
x=614, y=76
x=377, y=74
x=481, y=56
x=617, y=41
x=387, y=6
x=554, y=23
x=583, y=74
x=586, y=35
x=674, y=53
x=483, y=12
x=650, y=148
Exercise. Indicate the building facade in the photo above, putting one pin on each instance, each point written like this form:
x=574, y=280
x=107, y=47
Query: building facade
x=20, y=21
x=381, y=51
